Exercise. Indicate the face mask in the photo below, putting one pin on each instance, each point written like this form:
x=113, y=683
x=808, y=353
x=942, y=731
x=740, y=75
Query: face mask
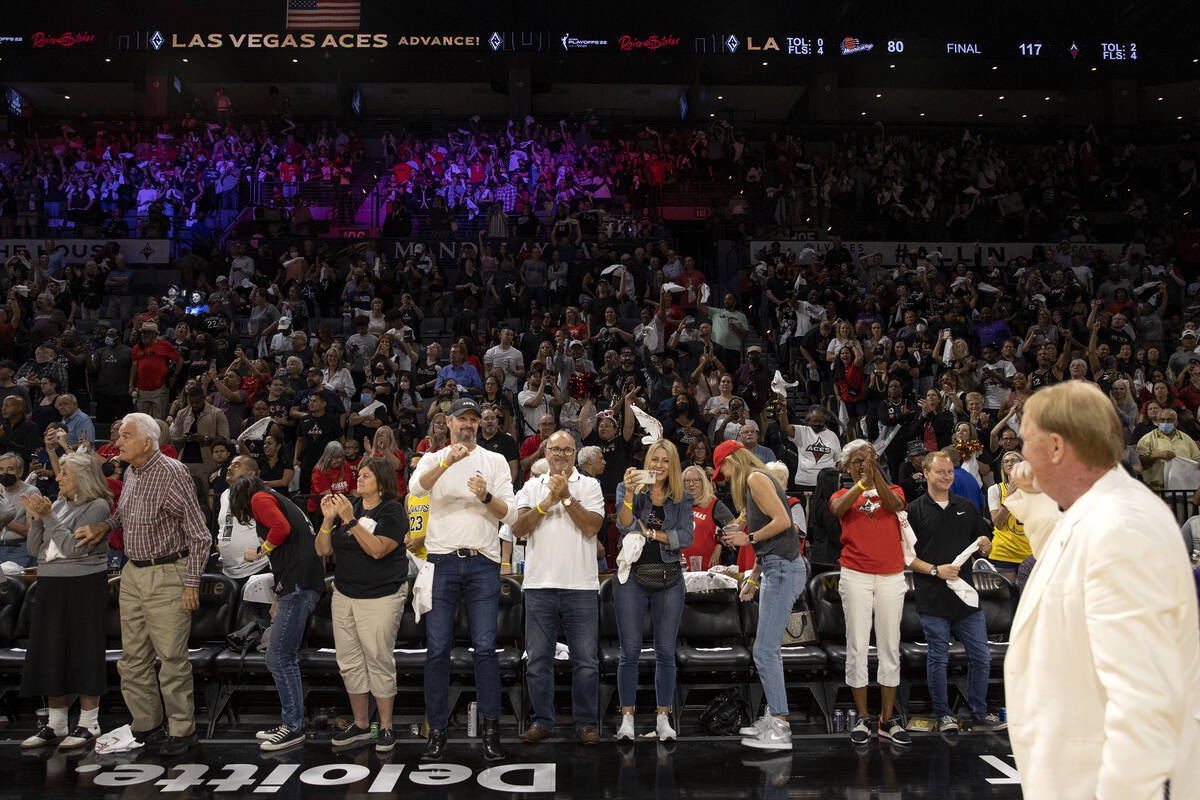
x=7, y=480
x=365, y=398
x=1167, y=427
x=110, y=341
x=817, y=427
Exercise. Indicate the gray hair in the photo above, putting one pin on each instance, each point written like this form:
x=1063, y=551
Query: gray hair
x=15, y=457
x=332, y=450
x=587, y=454
x=850, y=449
x=297, y=359
x=144, y=425
x=780, y=471
x=89, y=479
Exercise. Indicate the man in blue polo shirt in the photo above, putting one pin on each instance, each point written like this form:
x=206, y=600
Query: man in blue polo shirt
x=463, y=374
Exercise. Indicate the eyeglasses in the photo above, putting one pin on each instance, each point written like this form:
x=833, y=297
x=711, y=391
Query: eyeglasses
x=560, y=451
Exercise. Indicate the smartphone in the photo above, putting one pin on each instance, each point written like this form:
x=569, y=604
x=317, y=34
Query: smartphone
x=645, y=477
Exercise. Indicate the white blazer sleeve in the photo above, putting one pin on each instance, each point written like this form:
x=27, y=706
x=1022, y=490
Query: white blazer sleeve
x=1038, y=513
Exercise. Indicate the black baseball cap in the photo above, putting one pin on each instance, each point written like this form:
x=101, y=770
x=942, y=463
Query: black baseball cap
x=462, y=405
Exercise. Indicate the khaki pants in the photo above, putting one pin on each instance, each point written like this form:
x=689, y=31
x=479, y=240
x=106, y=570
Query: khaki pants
x=153, y=624
x=866, y=598
x=364, y=635
x=153, y=402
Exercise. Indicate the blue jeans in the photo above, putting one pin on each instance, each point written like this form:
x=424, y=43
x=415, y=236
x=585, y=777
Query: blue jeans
x=18, y=553
x=578, y=611
x=782, y=582
x=475, y=581
x=666, y=608
x=291, y=618
x=972, y=632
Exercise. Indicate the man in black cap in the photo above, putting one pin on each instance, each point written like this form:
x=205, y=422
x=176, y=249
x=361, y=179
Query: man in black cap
x=912, y=471
x=470, y=493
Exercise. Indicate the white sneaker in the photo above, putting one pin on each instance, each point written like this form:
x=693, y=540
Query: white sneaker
x=663, y=728
x=776, y=735
x=947, y=724
x=757, y=726
x=625, y=732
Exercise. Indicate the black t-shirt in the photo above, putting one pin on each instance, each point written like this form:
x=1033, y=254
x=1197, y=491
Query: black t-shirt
x=361, y=576
x=651, y=549
x=501, y=443
x=316, y=433
x=295, y=562
x=941, y=535
x=618, y=457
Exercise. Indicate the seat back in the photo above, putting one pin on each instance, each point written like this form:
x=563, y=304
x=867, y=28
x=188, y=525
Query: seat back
x=112, y=614
x=608, y=614
x=255, y=603
x=711, y=618
x=213, y=621
x=12, y=593
x=998, y=602
x=411, y=633
x=910, y=618
x=826, y=604
x=320, y=623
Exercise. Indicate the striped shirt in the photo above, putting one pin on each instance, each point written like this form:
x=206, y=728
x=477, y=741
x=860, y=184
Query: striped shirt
x=160, y=515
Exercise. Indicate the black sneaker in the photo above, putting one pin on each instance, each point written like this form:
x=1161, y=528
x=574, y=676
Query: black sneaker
x=893, y=730
x=151, y=738
x=351, y=735
x=262, y=736
x=862, y=730
x=385, y=741
x=282, y=738
x=177, y=745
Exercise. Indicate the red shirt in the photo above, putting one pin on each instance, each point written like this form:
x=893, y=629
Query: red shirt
x=153, y=362
x=340, y=481
x=704, y=530
x=871, y=536
x=529, y=447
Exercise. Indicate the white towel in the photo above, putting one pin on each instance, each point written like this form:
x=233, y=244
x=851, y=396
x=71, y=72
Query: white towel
x=652, y=427
x=707, y=581
x=120, y=740
x=422, y=592
x=52, y=551
x=631, y=551
x=780, y=386
x=11, y=568
x=671, y=286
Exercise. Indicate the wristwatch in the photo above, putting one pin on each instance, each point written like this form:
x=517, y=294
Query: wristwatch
x=933, y=571
x=750, y=536
x=567, y=502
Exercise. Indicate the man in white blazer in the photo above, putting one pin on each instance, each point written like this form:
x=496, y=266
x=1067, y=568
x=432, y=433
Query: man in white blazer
x=1102, y=676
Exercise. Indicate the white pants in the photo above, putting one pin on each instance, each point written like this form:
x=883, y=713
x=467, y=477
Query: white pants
x=866, y=596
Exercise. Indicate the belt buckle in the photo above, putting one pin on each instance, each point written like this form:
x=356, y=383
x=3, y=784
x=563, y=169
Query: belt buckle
x=462, y=552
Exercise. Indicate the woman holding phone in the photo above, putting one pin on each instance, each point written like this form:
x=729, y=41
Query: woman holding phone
x=779, y=576
x=653, y=502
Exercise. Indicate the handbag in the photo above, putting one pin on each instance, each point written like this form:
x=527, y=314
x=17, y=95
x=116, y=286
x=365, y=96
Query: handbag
x=800, y=628
x=656, y=577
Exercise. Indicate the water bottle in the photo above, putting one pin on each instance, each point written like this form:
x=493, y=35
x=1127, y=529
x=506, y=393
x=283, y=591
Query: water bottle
x=839, y=721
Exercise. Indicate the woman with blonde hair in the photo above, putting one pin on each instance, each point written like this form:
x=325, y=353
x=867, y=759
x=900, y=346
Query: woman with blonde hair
x=65, y=655
x=438, y=436
x=652, y=502
x=709, y=515
x=766, y=525
x=1010, y=545
x=384, y=446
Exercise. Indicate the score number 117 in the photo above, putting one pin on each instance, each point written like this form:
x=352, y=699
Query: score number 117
x=1031, y=49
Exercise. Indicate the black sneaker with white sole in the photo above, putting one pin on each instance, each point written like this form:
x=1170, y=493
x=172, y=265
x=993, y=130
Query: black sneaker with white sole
x=283, y=738
x=386, y=741
x=351, y=735
x=262, y=736
x=893, y=729
x=862, y=731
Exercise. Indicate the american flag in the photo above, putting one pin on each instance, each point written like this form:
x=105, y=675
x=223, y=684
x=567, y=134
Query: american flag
x=323, y=14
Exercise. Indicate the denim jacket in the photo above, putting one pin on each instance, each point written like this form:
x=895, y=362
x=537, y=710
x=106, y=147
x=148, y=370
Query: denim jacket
x=677, y=525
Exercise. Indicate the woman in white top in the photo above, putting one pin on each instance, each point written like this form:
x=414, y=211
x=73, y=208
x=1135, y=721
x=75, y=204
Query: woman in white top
x=843, y=336
x=336, y=376
x=717, y=406
x=965, y=432
x=376, y=320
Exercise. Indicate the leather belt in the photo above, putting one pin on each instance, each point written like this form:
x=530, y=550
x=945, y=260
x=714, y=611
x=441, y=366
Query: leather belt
x=159, y=561
x=466, y=552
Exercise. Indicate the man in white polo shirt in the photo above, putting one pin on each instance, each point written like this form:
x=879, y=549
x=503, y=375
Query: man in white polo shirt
x=559, y=514
x=470, y=493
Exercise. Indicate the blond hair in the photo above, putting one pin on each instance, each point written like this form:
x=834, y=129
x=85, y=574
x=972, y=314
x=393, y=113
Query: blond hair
x=706, y=492
x=736, y=468
x=1082, y=415
x=674, y=474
